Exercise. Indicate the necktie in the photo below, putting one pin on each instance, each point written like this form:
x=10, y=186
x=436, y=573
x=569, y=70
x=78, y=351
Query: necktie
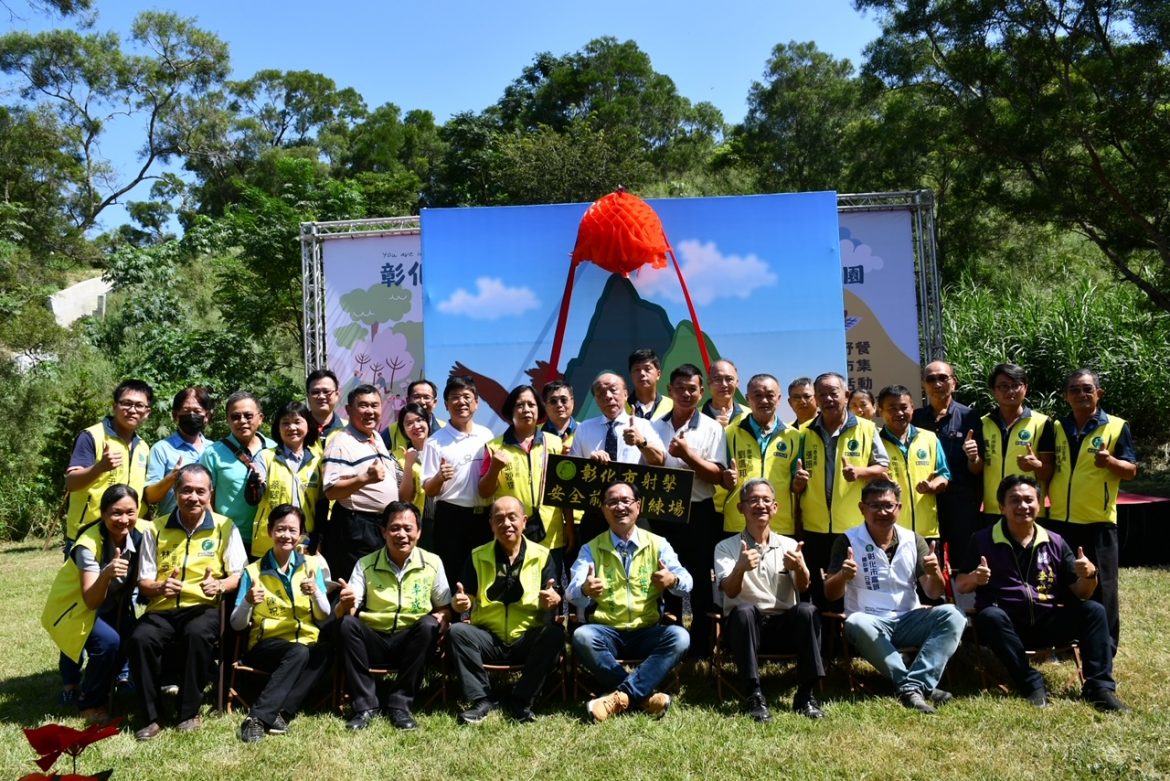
x=611, y=440
x=627, y=554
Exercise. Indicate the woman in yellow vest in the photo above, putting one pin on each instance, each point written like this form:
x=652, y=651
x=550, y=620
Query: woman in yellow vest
x=414, y=423
x=516, y=468
x=90, y=605
x=283, y=597
x=291, y=471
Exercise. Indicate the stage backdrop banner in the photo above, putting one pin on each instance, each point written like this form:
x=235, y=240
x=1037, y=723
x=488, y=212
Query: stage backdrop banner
x=881, y=305
x=374, y=313
x=764, y=273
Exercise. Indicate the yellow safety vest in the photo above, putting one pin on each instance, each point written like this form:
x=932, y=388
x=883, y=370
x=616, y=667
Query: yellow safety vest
x=628, y=602
x=84, y=505
x=392, y=603
x=508, y=622
x=854, y=446
x=919, y=511
x=278, y=490
x=776, y=466
x=191, y=555
x=1085, y=493
x=398, y=442
x=523, y=478
x=662, y=405
x=997, y=464
x=283, y=615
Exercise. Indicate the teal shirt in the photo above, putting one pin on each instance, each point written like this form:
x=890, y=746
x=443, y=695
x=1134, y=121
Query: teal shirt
x=228, y=475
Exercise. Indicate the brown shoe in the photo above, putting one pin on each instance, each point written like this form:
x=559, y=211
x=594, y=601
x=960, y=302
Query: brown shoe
x=149, y=732
x=190, y=725
x=657, y=704
x=601, y=708
x=95, y=715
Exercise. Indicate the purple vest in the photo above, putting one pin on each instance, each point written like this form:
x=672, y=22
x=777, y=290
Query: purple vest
x=1024, y=596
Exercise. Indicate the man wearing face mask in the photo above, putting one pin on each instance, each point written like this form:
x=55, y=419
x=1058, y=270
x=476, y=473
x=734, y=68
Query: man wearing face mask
x=191, y=411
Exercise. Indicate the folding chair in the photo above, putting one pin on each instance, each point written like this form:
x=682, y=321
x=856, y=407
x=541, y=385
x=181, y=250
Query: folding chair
x=1038, y=654
x=721, y=656
x=552, y=685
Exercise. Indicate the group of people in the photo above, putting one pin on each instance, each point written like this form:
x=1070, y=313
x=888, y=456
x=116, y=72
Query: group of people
x=339, y=539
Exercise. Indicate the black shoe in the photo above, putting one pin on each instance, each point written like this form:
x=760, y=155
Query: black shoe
x=806, y=705
x=362, y=719
x=1038, y=697
x=757, y=707
x=940, y=697
x=401, y=718
x=521, y=714
x=477, y=713
x=278, y=727
x=1105, y=700
x=68, y=696
x=252, y=730
x=915, y=701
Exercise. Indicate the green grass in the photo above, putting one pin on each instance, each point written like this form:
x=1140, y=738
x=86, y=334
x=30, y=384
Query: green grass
x=981, y=735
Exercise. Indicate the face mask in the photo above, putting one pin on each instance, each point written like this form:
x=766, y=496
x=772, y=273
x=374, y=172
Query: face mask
x=191, y=423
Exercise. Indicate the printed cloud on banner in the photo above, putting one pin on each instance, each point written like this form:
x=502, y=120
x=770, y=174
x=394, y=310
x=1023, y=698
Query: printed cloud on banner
x=710, y=275
x=855, y=253
x=491, y=301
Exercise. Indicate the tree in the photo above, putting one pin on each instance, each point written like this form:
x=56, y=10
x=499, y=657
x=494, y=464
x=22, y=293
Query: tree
x=1064, y=104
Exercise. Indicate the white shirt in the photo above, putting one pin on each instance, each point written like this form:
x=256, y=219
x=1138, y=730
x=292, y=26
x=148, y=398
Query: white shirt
x=591, y=437
x=466, y=452
x=706, y=439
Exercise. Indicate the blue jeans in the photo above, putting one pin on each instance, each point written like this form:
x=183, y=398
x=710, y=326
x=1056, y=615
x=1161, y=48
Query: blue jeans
x=599, y=647
x=104, y=649
x=934, y=630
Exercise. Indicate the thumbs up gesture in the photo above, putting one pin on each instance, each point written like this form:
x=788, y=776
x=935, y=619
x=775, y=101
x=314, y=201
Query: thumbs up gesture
x=849, y=566
x=794, y=559
x=1029, y=462
x=594, y=586
x=549, y=599
x=346, y=598
x=500, y=460
x=211, y=587
x=1083, y=567
x=930, y=561
x=172, y=585
x=1102, y=458
x=309, y=584
x=111, y=459
x=730, y=476
x=255, y=594
x=982, y=573
x=629, y=434
x=663, y=578
x=800, y=476
x=460, y=602
x=376, y=472
x=446, y=469
x=971, y=447
x=749, y=556
x=926, y=486
x=118, y=566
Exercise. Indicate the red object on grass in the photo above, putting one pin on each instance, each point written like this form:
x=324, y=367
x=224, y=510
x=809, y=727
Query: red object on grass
x=53, y=740
x=621, y=233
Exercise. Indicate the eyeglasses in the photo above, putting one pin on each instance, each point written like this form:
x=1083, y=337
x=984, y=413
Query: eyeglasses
x=559, y=401
x=758, y=500
x=620, y=502
x=236, y=417
x=133, y=406
x=324, y=392
x=1008, y=388
x=883, y=507
x=936, y=378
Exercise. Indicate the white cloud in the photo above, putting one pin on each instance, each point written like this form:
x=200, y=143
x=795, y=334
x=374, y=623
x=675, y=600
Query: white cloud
x=491, y=301
x=855, y=254
x=709, y=274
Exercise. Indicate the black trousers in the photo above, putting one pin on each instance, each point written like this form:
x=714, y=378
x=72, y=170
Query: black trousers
x=695, y=542
x=348, y=536
x=1101, y=546
x=294, y=668
x=796, y=630
x=406, y=650
x=818, y=546
x=1081, y=621
x=958, y=518
x=194, y=632
x=458, y=530
x=538, y=650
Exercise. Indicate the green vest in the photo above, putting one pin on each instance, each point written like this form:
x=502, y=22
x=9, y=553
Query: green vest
x=84, y=505
x=919, y=511
x=627, y=602
x=392, y=604
x=523, y=478
x=278, y=490
x=191, y=555
x=508, y=622
x=854, y=446
x=776, y=466
x=282, y=615
x=998, y=464
x=1086, y=493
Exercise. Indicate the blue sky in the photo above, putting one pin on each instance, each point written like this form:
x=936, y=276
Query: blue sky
x=459, y=56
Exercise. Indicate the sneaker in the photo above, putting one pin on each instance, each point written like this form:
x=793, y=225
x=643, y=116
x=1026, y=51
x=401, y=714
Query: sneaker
x=477, y=713
x=601, y=708
x=521, y=714
x=914, y=700
x=1106, y=700
x=68, y=696
x=149, y=732
x=278, y=727
x=170, y=690
x=940, y=697
x=190, y=725
x=362, y=719
x=807, y=706
x=757, y=707
x=251, y=730
x=1038, y=697
x=657, y=704
x=401, y=718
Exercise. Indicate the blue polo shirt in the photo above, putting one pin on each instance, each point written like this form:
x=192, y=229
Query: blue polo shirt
x=164, y=454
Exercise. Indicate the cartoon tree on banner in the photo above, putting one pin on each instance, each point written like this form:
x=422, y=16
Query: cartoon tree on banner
x=386, y=361
x=375, y=305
